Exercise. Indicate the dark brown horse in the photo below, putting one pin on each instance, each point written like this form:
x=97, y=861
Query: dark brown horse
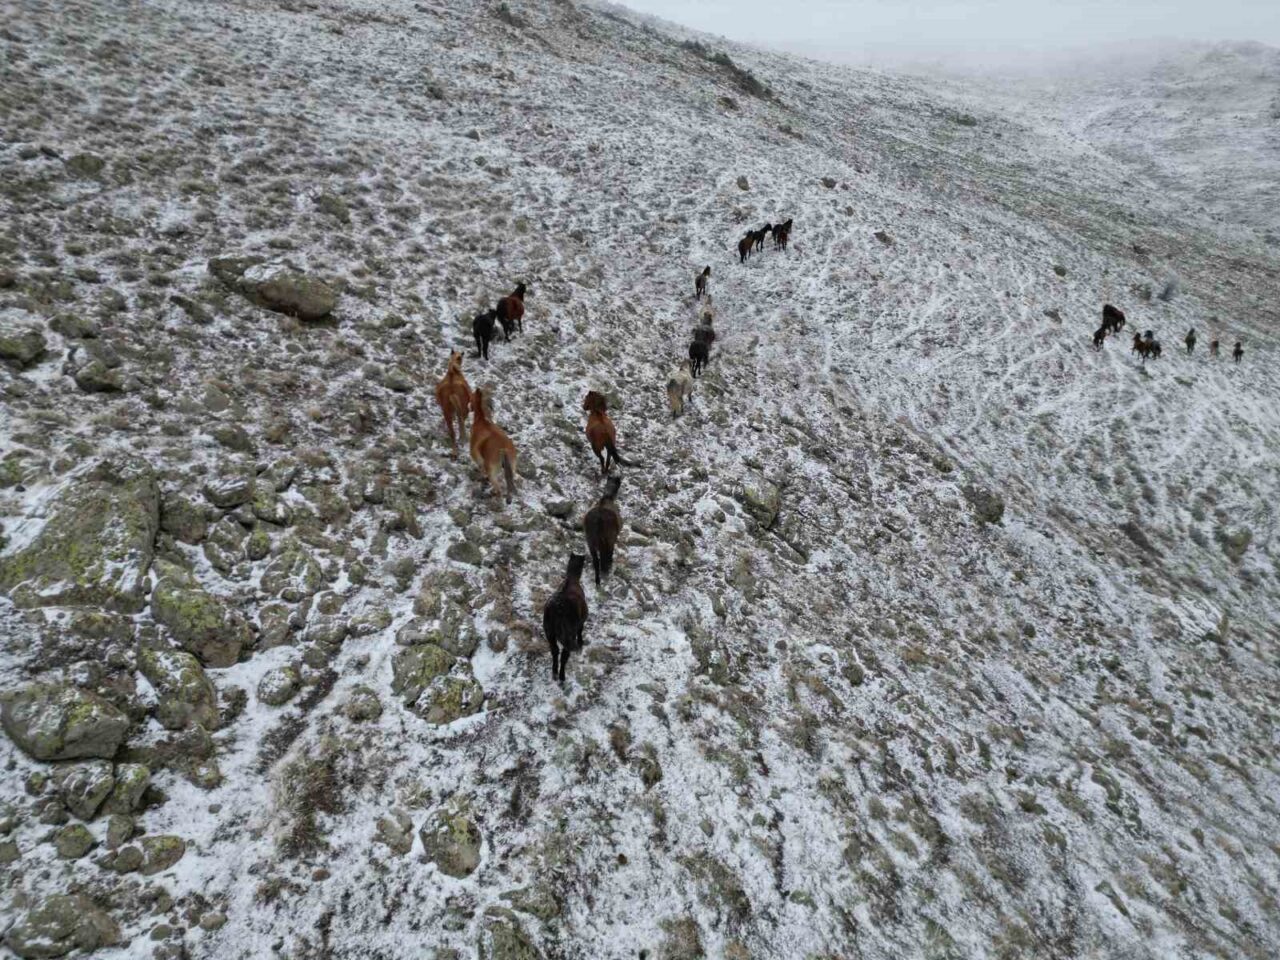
x=782, y=234
x=700, y=283
x=761, y=234
x=745, y=245
x=602, y=524
x=510, y=310
x=1113, y=318
x=565, y=616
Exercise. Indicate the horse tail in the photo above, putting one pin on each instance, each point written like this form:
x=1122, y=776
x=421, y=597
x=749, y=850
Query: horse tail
x=508, y=470
x=613, y=452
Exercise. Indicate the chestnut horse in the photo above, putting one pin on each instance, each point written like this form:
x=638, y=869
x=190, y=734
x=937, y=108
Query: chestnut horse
x=601, y=432
x=511, y=310
x=491, y=449
x=454, y=396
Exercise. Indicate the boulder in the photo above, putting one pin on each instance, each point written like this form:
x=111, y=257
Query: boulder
x=159, y=853
x=97, y=545
x=95, y=376
x=451, y=840
x=449, y=698
x=73, y=841
x=186, y=695
x=200, y=622
x=183, y=519
x=278, y=686
x=20, y=345
x=293, y=575
x=58, y=924
x=132, y=780
x=85, y=786
x=56, y=722
x=287, y=291
x=363, y=705
x=762, y=499
x=413, y=669
x=229, y=490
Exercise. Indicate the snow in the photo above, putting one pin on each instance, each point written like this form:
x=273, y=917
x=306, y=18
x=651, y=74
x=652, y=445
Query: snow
x=1041, y=710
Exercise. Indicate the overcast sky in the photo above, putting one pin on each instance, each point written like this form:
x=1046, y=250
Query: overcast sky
x=933, y=26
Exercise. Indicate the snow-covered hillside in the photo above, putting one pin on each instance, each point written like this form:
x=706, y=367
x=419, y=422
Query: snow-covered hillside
x=1198, y=121
x=932, y=633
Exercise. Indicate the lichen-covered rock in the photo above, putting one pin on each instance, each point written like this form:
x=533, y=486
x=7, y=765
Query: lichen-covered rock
x=229, y=490
x=451, y=840
x=85, y=786
x=449, y=698
x=267, y=505
x=159, y=853
x=199, y=621
x=413, y=669
x=58, y=924
x=183, y=519
x=56, y=722
x=186, y=695
x=20, y=345
x=287, y=291
x=73, y=841
x=94, y=376
x=762, y=499
x=124, y=860
x=97, y=545
x=278, y=686
x=132, y=780
x=293, y=575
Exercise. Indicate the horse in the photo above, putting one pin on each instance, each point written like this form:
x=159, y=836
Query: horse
x=1113, y=318
x=761, y=234
x=700, y=283
x=745, y=245
x=699, y=354
x=1190, y=340
x=1139, y=346
x=491, y=449
x=1213, y=348
x=454, y=396
x=510, y=310
x=782, y=234
x=1099, y=336
x=482, y=328
x=564, y=617
x=602, y=524
x=1237, y=353
x=705, y=332
x=679, y=386
x=601, y=433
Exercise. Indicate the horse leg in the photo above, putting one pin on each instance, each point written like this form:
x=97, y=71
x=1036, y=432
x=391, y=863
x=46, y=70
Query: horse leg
x=555, y=654
x=564, y=662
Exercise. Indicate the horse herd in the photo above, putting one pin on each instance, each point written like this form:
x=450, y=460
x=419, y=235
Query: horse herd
x=565, y=613
x=1145, y=345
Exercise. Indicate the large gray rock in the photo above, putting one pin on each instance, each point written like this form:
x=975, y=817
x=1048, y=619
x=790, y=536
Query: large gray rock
x=451, y=840
x=293, y=575
x=186, y=695
x=20, y=345
x=287, y=291
x=58, y=924
x=97, y=545
x=200, y=622
x=85, y=786
x=414, y=668
x=55, y=722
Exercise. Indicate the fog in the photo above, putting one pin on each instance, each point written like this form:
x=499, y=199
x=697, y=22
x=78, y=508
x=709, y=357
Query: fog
x=973, y=35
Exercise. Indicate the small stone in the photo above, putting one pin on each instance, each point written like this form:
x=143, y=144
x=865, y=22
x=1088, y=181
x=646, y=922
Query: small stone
x=744, y=183
x=464, y=551
x=212, y=920
x=363, y=705
x=279, y=686
x=74, y=841
x=161, y=852
x=120, y=829
x=451, y=840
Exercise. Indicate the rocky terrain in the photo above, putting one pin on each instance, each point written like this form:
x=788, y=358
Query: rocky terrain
x=932, y=632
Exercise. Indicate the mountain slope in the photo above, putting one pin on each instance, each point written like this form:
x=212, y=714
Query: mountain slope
x=932, y=632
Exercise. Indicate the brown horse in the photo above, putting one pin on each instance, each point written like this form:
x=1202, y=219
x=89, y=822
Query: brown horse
x=511, y=310
x=700, y=283
x=761, y=234
x=745, y=245
x=454, y=396
x=1113, y=318
x=601, y=433
x=491, y=449
x=782, y=234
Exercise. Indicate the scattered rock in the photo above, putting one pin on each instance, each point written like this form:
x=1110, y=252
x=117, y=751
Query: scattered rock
x=287, y=291
x=229, y=490
x=97, y=546
x=58, y=924
x=396, y=831
x=451, y=840
x=21, y=346
x=200, y=622
x=186, y=695
x=884, y=238
x=464, y=551
x=73, y=841
x=279, y=686
x=762, y=500
x=744, y=183
x=293, y=575
x=57, y=722
x=96, y=377
x=183, y=519
x=363, y=705
x=829, y=182
x=987, y=505
x=159, y=853
x=85, y=786
x=449, y=698
x=413, y=669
